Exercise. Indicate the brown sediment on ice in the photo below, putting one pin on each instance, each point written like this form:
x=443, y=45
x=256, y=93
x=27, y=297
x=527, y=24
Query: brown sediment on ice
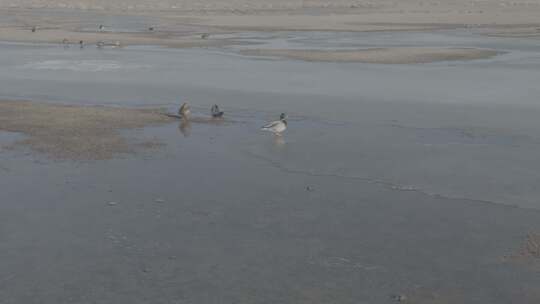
x=396, y=55
x=530, y=249
x=77, y=132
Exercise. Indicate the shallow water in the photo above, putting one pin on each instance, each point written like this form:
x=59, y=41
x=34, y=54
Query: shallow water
x=164, y=75
x=390, y=179
x=222, y=214
x=460, y=129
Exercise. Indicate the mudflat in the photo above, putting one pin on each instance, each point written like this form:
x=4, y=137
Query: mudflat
x=408, y=172
x=395, y=55
x=76, y=132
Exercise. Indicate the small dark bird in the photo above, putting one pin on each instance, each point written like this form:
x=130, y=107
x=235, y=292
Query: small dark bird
x=34, y=29
x=216, y=113
x=205, y=36
x=151, y=29
x=399, y=298
x=101, y=27
x=81, y=43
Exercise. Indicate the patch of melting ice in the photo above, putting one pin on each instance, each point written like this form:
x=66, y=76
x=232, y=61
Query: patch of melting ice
x=80, y=65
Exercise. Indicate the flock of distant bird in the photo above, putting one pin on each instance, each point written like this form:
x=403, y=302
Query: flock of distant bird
x=101, y=43
x=276, y=127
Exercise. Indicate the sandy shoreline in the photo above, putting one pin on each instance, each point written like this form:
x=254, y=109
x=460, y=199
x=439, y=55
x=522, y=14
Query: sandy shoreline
x=397, y=55
x=77, y=132
x=181, y=23
x=90, y=39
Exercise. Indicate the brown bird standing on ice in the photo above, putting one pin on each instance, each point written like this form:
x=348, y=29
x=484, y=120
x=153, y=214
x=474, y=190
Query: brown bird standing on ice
x=184, y=111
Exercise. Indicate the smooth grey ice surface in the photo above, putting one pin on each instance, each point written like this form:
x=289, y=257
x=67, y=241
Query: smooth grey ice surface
x=391, y=179
x=218, y=216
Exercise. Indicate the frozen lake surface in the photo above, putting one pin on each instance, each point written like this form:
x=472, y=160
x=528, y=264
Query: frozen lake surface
x=459, y=129
x=390, y=178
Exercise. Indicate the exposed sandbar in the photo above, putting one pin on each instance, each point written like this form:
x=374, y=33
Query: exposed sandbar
x=397, y=55
x=77, y=132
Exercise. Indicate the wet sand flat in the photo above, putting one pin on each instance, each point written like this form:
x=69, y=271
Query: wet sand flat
x=75, y=132
x=398, y=55
x=90, y=39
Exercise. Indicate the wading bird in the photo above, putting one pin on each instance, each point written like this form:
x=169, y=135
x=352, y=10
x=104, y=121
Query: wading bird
x=184, y=111
x=216, y=113
x=278, y=126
